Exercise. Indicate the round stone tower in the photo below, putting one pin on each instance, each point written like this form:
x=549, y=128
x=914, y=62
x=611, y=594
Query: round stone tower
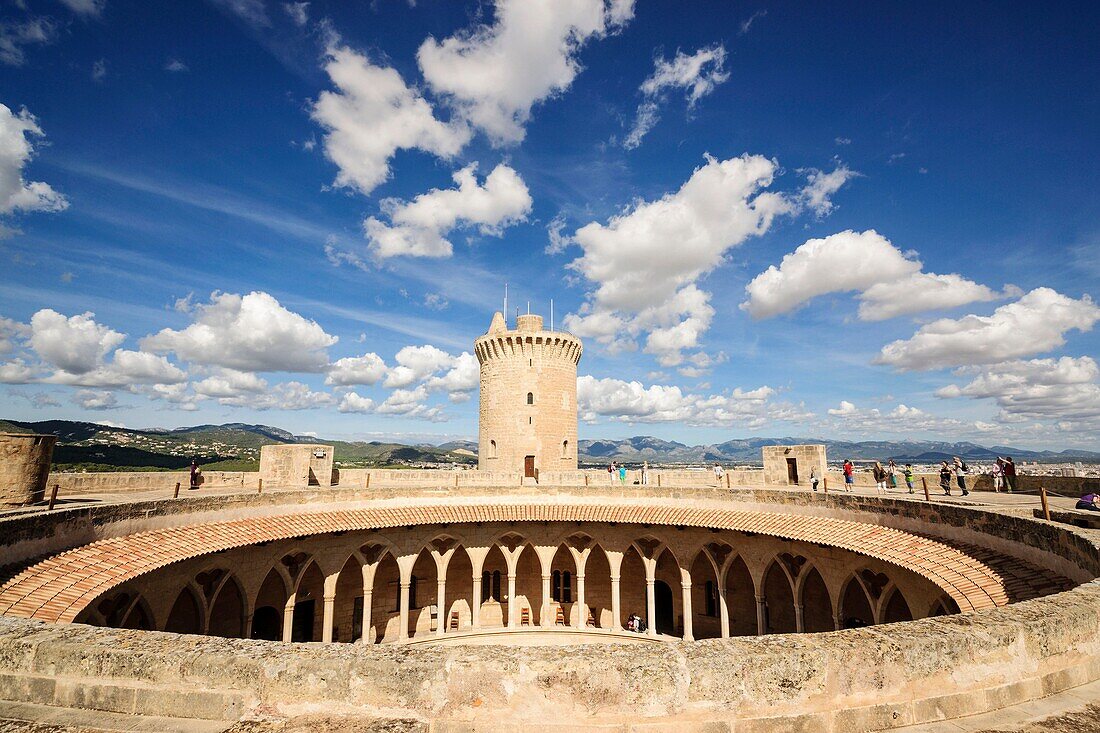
x=528, y=412
x=24, y=467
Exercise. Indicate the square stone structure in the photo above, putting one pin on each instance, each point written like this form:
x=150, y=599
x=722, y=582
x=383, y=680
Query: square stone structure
x=790, y=465
x=24, y=467
x=298, y=464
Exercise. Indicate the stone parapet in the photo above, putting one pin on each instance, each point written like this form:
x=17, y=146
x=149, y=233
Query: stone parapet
x=862, y=679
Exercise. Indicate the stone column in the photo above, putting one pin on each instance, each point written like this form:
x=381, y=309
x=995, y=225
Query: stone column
x=329, y=617
x=723, y=611
x=403, y=628
x=761, y=616
x=368, y=601
x=650, y=605
x=247, y=627
x=329, y=598
x=477, y=563
x=798, y=623
x=544, y=615
x=615, y=564
x=582, y=614
x=511, y=599
x=440, y=605
x=686, y=593
x=616, y=608
x=288, y=618
x=475, y=602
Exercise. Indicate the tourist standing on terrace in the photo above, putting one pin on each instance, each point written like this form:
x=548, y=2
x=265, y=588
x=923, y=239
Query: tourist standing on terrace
x=880, y=477
x=960, y=474
x=849, y=479
x=814, y=478
x=945, y=478
x=622, y=474
x=645, y=473
x=998, y=474
x=196, y=473
x=612, y=474
x=909, y=477
x=718, y=473
x=891, y=474
x=1010, y=474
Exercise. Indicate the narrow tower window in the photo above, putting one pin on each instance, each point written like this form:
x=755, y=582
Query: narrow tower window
x=492, y=449
x=565, y=449
x=530, y=398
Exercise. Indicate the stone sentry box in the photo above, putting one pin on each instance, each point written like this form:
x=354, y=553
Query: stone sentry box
x=24, y=467
x=789, y=465
x=296, y=465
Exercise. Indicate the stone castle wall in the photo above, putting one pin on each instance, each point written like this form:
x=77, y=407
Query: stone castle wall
x=528, y=401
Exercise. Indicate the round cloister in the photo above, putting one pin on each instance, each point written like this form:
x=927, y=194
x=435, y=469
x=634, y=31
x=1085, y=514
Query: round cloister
x=504, y=603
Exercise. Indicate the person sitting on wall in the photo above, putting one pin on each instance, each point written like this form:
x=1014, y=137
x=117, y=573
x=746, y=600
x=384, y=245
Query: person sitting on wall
x=1089, y=502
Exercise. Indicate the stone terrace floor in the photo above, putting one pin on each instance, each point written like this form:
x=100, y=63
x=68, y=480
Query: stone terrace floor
x=1016, y=504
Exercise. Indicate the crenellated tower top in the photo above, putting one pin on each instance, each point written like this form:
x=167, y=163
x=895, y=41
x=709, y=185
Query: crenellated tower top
x=528, y=336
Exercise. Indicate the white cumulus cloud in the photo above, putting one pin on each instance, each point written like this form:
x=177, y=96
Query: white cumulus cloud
x=284, y=396
x=417, y=363
x=76, y=344
x=372, y=114
x=95, y=399
x=249, y=333
x=697, y=74
x=494, y=74
x=645, y=261
x=16, y=150
x=230, y=383
x=632, y=402
x=353, y=402
x=419, y=228
x=367, y=369
x=1035, y=323
x=1066, y=389
x=888, y=281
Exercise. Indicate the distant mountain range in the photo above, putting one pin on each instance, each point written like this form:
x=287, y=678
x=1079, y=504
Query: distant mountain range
x=648, y=448
x=236, y=446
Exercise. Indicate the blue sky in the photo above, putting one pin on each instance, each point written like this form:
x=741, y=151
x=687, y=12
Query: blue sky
x=764, y=219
